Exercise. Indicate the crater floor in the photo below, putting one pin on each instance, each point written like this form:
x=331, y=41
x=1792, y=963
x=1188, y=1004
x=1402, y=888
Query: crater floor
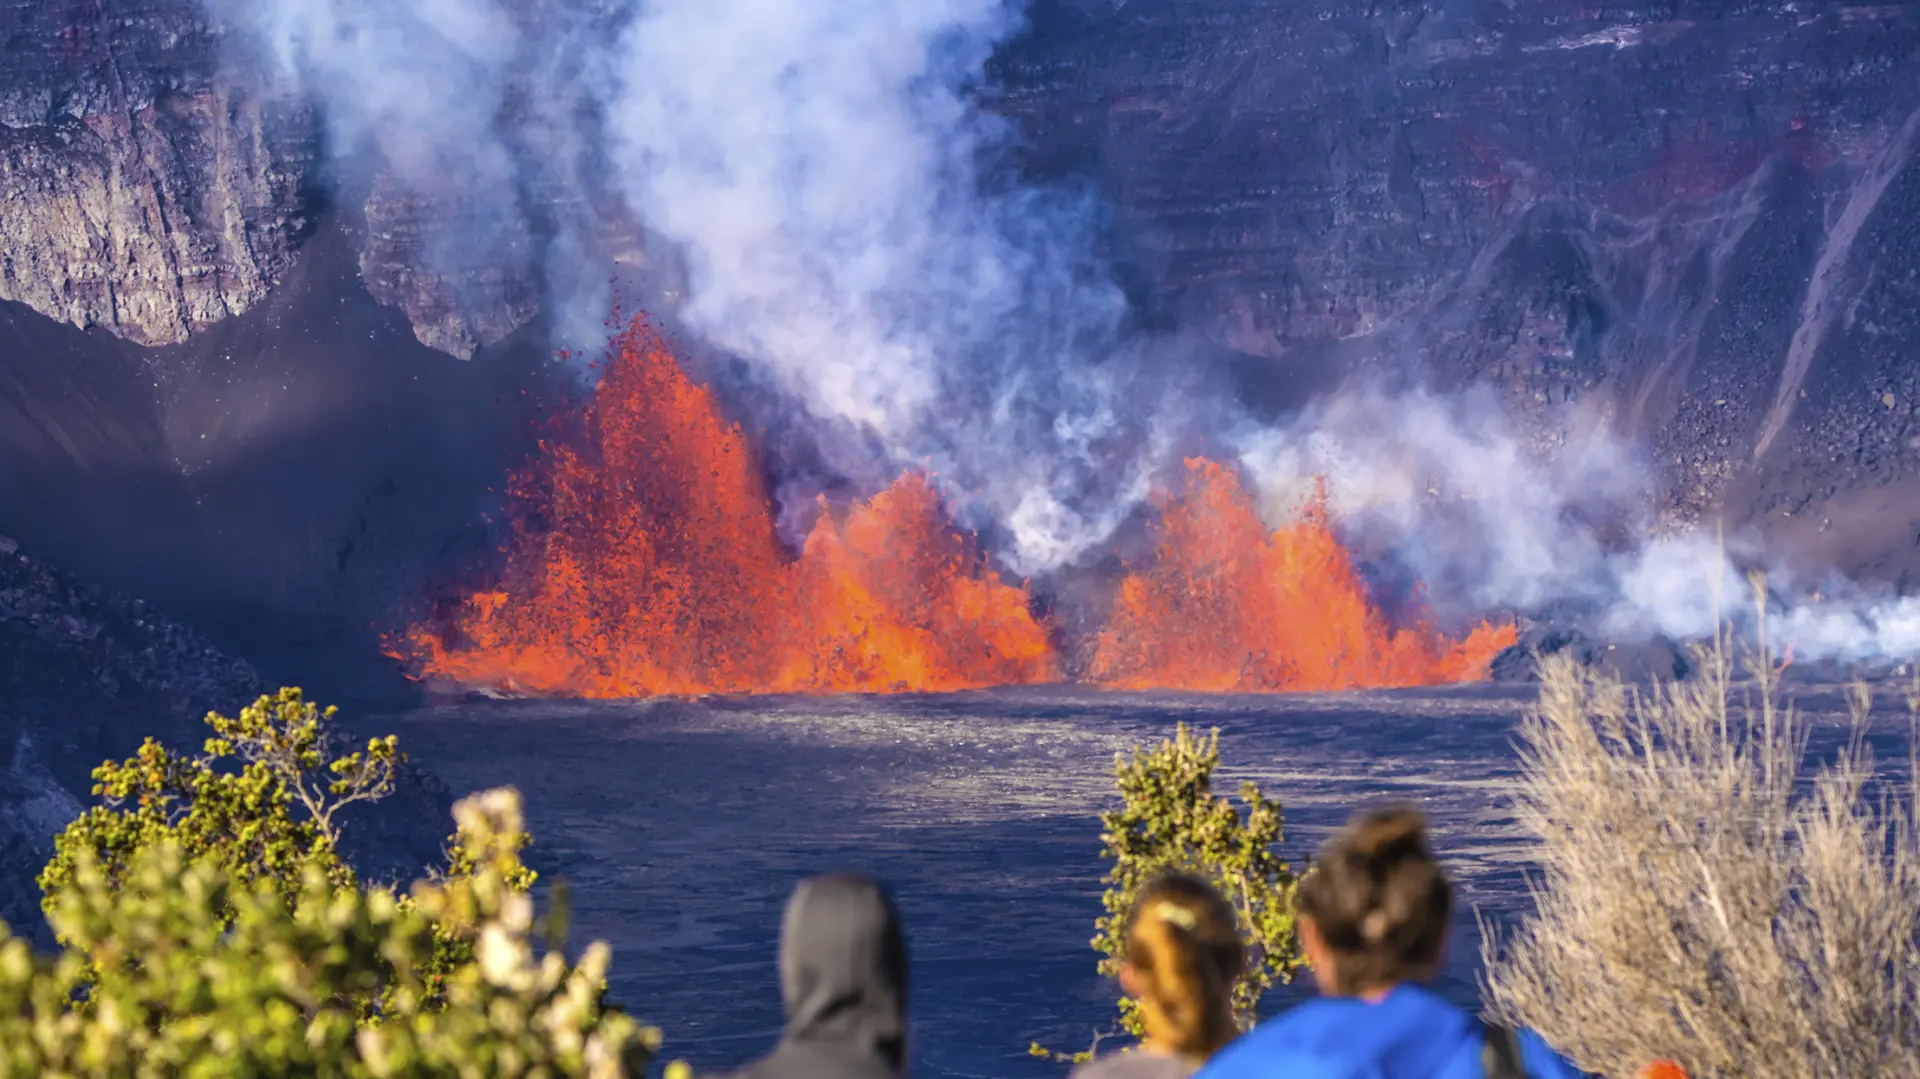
x=681, y=826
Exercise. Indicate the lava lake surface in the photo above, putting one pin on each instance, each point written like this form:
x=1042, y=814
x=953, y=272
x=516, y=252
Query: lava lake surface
x=681, y=826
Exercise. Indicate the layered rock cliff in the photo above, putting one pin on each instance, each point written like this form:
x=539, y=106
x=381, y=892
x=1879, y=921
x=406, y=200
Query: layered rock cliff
x=287, y=481
x=156, y=178
x=1690, y=220
x=142, y=187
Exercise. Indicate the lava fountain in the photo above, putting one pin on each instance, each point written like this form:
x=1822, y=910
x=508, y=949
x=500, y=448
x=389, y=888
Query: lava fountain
x=644, y=561
x=1227, y=606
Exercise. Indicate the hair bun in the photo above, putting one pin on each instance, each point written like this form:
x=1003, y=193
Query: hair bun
x=1380, y=900
x=1391, y=833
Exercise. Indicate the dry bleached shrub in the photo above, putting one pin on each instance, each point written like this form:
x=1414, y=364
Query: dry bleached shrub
x=1703, y=894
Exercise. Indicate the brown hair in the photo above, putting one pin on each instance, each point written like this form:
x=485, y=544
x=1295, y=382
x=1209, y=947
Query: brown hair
x=1184, y=946
x=1380, y=900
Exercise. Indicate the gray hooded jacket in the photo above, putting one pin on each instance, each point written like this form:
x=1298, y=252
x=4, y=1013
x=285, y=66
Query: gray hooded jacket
x=843, y=979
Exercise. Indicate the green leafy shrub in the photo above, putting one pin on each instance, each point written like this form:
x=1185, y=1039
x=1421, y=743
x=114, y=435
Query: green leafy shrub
x=1170, y=819
x=262, y=801
x=191, y=969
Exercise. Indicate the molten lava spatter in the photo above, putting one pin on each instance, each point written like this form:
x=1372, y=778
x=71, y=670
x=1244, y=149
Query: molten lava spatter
x=645, y=561
x=893, y=598
x=1229, y=606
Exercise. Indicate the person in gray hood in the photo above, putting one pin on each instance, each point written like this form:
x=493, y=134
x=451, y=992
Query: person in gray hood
x=843, y=980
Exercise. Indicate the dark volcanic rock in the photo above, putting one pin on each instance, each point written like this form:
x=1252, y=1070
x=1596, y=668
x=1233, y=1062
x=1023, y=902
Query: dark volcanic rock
x=289, y=481
x=143, y=188
x=1693, y=222
x=86, y=676
x=1636, y=661
x=124, y=645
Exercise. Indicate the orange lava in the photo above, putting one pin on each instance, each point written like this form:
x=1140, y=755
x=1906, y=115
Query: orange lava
x=1229, y=606
x=893, y=598
x=646, y=563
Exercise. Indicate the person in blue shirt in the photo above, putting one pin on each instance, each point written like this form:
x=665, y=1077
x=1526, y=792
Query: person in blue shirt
x=1373, y=914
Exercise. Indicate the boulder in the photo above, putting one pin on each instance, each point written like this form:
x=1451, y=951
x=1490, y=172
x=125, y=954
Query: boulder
x=1656, y=658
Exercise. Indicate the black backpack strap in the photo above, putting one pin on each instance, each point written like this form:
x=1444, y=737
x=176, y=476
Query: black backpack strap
x=1500, y=1052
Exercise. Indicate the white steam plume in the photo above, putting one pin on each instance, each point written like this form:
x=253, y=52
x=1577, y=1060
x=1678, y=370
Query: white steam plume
x=818, y=163
x=420, y=82
x=1482, y=522
x=820, y=167
x=1444, y=485
x=1675, y=585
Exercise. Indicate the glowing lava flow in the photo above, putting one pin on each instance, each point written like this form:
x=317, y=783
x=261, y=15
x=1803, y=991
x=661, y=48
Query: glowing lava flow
x=1228, y=606
x=645, y=562
x=893, y=598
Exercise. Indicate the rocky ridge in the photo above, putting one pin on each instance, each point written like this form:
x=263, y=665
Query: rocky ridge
x=156, y=180
x=143, y=187
x=1692, y=223
x=86, y=676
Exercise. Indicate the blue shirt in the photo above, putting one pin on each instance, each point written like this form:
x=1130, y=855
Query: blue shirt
x=1411, y=1034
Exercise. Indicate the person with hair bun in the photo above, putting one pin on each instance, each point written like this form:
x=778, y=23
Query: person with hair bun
x=1183, y=955
x=1373, y=915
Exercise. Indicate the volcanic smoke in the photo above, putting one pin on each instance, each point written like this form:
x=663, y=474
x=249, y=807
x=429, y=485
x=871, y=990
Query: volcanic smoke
x=644, y=561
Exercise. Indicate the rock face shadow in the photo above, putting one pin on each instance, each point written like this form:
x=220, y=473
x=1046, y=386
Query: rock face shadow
x=289, y=481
